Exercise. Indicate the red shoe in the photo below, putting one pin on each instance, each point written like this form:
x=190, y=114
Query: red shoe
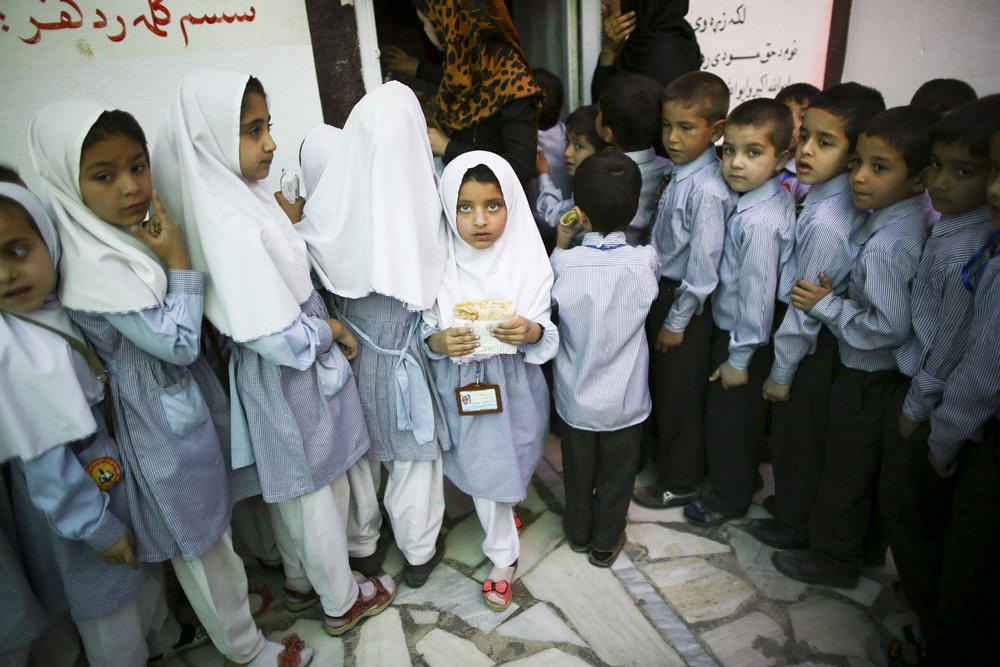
x=501, y=588
x=517, y=523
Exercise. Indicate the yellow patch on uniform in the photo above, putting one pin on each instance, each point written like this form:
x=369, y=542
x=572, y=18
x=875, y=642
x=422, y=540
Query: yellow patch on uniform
x=105, y=472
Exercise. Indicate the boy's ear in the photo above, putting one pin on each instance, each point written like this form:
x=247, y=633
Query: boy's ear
x=607, y=134
x=718, y=128
x=783, y=157
x=920, y=182
x=582, y=218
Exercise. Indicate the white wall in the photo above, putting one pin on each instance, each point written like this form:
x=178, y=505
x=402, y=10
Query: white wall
x=140, y=73
x=895, y=46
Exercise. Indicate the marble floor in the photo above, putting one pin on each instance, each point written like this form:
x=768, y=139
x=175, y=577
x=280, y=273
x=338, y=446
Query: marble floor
x=677, y=595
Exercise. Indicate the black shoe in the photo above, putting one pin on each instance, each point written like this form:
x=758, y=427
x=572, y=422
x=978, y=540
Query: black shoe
x=807, y=567
x=370, y=566
x=576, y=546
x=657, y=497
x=602, y=558
x=416, y=576
x=770, y=533
x=701, y=513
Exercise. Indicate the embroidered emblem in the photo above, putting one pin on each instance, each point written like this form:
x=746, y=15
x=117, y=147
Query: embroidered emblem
x=105, y=472
x=787, y=185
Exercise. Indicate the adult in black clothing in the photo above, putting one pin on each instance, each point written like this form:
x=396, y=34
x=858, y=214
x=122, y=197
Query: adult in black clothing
x=647, y=37
x=486, y=98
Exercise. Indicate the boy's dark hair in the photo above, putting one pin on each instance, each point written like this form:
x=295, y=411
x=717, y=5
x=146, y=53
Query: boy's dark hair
x=852, y=103
x=583, y=122
x=481, y=174
x=10, y=175
x=943, y=95
x=253, y=86
x=971, y=124
x=766, y=113
x=908, y=130
x=630, y=106
x=797, y=92
x=552, y=98
x=606, y=188
x=115, y=123
x=704, y=89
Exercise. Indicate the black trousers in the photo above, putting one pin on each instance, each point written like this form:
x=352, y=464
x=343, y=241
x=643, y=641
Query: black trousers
x=680, y=383
x=598, y=472
x=735, y=427
x=846, y=497
x=968, y=610
x=798, y=434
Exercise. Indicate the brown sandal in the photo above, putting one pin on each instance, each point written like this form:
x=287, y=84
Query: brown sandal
x=362, y=608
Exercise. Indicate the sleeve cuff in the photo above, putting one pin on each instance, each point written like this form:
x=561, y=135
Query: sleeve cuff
x=109, y=532
x=676, y=323
x=824, y=309
x=191, y=282
x=916, y=409
x=783, y=375
x=739, y=357
x=325, y=335
x=944, y=452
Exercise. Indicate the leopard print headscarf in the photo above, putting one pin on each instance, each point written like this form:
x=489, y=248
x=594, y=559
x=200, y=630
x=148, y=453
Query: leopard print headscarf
x=484, y=66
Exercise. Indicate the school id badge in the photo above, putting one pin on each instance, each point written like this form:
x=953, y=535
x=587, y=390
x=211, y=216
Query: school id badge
x=478, y=398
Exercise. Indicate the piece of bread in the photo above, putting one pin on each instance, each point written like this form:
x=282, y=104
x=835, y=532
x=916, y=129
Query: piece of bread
x=484, y=309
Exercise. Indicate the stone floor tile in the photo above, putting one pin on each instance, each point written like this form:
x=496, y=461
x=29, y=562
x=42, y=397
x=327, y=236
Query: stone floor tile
x=393, y=562
x=590, y=598
x=550, y=657
x=449, y=590
x=464, y=542
x=425, y=616
x=854, y=661
x=661, y=542
x=328, y=650
x=443, y=649
x=456, y=503
x=831, y=626
x=755, y=559
x=756, y=512
x=539, y=623
x=697, y=590
x=538, y=539
x=639, y=514
x=381, y=641
x=733, y=643
x=204, y=656
x=533, y=502
x=864, y=593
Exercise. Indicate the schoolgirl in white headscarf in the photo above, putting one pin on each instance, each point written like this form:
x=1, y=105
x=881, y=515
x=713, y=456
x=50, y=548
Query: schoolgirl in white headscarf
x=373, y=226
x=497, y=257
x=170, y=411
x=293, y=393
x=65, y=468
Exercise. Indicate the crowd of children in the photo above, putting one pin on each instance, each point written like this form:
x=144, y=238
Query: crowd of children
x=824, y=280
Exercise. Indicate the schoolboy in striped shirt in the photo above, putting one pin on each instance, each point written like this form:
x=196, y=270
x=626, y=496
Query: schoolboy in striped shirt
x=805, y=352
x=887, y=174
x=913, y=499
x=688, y=235
x=604, y=289
x=759, y=239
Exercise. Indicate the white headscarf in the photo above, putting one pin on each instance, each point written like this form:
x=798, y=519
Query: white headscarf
x=258, y=270
x=103, y=268
x=514, y=267
x=47, y=388
x=373, y=222
x=319, y=146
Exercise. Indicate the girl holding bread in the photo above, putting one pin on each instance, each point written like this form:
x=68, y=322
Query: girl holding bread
x=496, y=405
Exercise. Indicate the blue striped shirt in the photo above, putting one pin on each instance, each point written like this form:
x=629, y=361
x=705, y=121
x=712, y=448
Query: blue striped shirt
x=760, y=235
x=790, y=181
x=874, y=317
x=941, y=309
x=651, y=168
x=550, y=204
x=972, y=392
x=601, y=370
x=689, y=233
x=823, y=243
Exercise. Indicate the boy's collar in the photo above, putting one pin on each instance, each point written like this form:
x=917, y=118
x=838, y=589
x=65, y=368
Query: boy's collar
x=790, y=166
x=760, y=193
x=952, y=223
x=597, y=238
x=641, y=156
x=884, y=216
x=836, y=185
x=682, y=171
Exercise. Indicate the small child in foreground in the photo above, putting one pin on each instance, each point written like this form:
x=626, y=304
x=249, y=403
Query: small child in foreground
x=604, y=289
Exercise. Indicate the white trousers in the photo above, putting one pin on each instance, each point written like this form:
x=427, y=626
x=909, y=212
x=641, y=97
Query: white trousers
x=316, y=524
x=501, y=544
x=414, y=501
x=129, y=635
x=216, y=587
x=253, y=534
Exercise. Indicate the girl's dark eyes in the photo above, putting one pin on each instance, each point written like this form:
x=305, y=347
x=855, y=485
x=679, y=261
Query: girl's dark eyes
x=19, y=252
